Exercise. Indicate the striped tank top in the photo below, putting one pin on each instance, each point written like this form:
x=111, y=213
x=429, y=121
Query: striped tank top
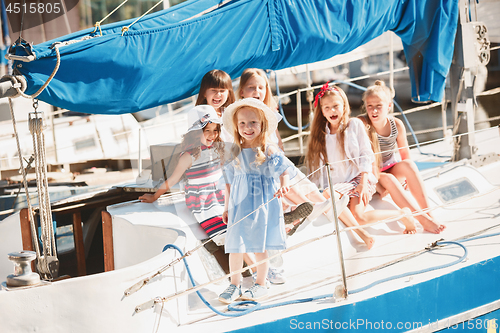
x=388, y=143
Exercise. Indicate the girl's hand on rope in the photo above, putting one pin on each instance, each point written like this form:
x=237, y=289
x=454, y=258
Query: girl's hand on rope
x=148, y=197
x=282, y=191
x=224, y=217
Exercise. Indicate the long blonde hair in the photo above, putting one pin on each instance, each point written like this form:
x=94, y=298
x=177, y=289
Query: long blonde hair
x=385, y=93
x=262, y=139
x=247, y=75
x=316, y=147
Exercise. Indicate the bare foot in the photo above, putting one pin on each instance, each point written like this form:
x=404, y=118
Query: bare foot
x=432, y=226
x=365, y=236
x=408, y=221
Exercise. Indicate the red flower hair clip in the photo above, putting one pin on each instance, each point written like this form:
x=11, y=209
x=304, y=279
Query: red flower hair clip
x=322, y=92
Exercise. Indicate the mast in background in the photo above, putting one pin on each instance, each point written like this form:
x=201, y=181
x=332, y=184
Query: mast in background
x=472, y=51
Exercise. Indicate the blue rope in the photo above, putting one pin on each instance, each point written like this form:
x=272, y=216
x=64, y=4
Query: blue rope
x=413, y=133
x=479, y=237
x=290, y=126
x=241, y=308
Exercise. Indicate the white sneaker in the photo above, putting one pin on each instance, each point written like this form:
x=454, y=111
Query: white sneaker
x=275, y=276
x=255, y=293
x=231, y=294
x=254, y=278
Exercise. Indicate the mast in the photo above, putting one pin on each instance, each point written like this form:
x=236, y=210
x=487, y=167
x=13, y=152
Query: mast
x=472, y=50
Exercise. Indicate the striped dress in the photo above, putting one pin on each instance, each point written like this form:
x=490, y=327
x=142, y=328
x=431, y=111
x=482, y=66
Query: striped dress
x=388, y=146
x=204, y=192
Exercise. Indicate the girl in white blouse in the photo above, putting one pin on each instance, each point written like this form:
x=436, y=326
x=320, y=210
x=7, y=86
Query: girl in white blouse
x=343, y=142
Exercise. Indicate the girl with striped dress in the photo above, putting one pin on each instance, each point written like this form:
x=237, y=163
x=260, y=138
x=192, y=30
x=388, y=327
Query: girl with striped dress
x=388, y=135
x=199, y=164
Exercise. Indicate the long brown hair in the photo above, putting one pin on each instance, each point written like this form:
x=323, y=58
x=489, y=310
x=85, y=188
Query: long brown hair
x=219, y=79
x=384, y=92
x=247, y=75
x=262, y=139
x=316, y=147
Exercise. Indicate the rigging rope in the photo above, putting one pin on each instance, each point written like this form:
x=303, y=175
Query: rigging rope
x=45, y=213
x=125, y=29
x=47, y=264
x=47, y=232
x=98, y=23
x=25, y=182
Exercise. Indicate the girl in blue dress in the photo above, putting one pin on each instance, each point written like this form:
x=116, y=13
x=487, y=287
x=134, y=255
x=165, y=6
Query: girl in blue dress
x=257, y=173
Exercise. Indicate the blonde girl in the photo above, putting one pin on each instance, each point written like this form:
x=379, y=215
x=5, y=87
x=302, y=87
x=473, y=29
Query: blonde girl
x=254, y=84
x=388, y=135
x=343, y=142
x=257, y=173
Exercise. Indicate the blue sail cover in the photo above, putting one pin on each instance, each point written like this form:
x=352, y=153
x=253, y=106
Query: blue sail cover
x=163, y=57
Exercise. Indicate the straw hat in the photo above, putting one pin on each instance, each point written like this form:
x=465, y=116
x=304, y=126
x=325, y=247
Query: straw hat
x=200, y=116
x=227, y=117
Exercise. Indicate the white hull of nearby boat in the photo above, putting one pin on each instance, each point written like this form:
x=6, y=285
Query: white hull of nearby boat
x=463, y=197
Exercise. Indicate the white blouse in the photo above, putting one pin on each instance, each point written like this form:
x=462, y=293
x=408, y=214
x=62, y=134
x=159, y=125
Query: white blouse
x=357, y=149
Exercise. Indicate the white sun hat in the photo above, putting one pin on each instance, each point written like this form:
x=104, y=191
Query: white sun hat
x=227, y=117
x=200, y=116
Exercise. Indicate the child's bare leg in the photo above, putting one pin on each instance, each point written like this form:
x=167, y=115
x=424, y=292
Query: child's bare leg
x=326, y=193
x=295, y=196
x=315, y=196
x=235, y=264
x=262, y=268
x=249, y=261
x=348, y=219
x=358, y=211
x=391, y=184
x=408, y=220
x=408, y=170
